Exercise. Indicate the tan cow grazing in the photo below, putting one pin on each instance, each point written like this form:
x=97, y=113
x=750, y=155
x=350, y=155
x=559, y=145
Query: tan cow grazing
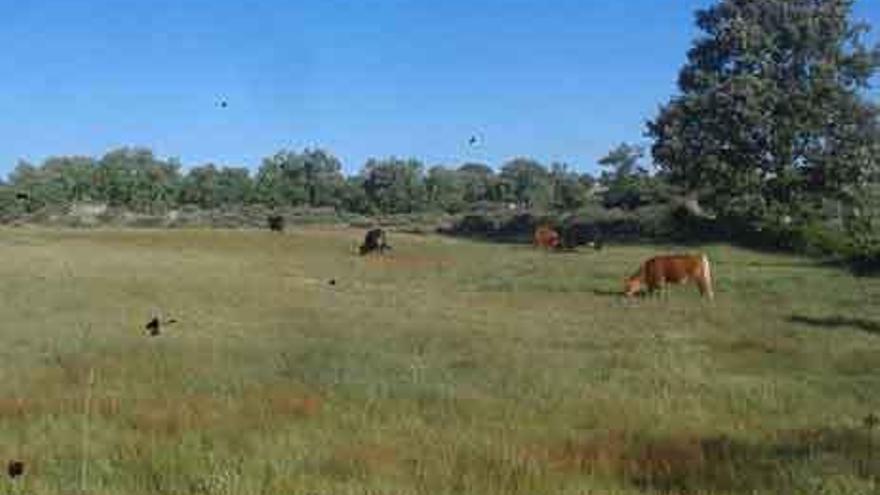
x=677, y=269
x=546, y=237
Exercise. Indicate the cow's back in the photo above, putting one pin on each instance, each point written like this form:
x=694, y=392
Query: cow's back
x=677, y=268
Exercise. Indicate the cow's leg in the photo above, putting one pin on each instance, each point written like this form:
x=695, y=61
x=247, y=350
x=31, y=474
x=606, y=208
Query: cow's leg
x=664, y=285
x=705, y=289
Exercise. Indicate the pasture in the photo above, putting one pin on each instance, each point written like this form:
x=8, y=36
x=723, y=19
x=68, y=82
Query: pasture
x=445, y=367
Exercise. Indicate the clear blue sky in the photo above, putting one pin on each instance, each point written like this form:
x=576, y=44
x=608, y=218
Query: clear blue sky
x=560, y=80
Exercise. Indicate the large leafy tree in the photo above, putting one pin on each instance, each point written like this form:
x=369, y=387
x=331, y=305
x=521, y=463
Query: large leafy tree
x=527, y=182
x=323, y=177
x=771, y=116
x=74, y=176
x=354, y=195
x=135, y=178
x=33, y=187
x=394, y=185
x=626, y=180
x=445, y=189
x=569, y=191
x=312, y=178
x=235, y=186
x=478, y=181
x=209, y=186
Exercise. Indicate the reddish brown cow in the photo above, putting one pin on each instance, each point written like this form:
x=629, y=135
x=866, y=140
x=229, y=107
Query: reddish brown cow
x=677, y=269
x=546, y=237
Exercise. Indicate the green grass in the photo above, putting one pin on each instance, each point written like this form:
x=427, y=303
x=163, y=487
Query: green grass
x=445, y=367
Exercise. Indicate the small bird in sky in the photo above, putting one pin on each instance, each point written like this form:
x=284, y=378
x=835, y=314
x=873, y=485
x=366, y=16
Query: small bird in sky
x=472, y=141
x=223, y=104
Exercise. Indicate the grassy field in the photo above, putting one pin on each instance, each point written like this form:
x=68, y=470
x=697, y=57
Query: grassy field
x=445, y=367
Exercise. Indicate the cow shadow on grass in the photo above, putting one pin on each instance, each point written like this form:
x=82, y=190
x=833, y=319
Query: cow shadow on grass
x=607, y=293
x=837, y=321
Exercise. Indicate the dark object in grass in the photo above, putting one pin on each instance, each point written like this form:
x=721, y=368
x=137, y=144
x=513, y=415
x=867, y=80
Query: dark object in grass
x=15, y=469
x=374, y=240
x=21, y=195
x=154, y=326
x=276, y=223
x=332, y=281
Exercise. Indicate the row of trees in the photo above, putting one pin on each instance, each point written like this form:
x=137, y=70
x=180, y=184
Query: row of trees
x=136, y=179
x=772, y=122
x=771, y=128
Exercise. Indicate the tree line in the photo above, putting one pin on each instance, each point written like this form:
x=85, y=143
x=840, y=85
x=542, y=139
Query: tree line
x=135, y=179
x=771, y=129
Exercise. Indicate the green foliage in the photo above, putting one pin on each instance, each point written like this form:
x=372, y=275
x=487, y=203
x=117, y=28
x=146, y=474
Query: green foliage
x=862, y=222
x=312, y=178
x=628, y=184
x=525, y=182
x=394, y=185
x=569, y=191
x=210, y=187
x=354, y=196
x=479, y=182
x=445, y=189
x=135, y=178
x=770, y=115
x=10, y=206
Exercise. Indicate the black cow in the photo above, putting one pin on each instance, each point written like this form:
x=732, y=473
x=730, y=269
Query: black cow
x=15, y=469
x=276, y=223
x=374, y=241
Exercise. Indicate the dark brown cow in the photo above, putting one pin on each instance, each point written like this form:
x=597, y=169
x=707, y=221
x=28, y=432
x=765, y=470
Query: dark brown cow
x=658, y=271
x=374, y=240
x=546, y=237
x=276, y=223
x=15, y=469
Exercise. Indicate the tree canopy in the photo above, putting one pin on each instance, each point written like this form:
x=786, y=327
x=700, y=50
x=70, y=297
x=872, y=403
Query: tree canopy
x=771, y=115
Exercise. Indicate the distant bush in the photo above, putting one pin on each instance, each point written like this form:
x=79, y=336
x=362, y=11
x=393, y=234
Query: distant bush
x=864, y=255
x=581, y=227
x=470, y=225
x=866, y=262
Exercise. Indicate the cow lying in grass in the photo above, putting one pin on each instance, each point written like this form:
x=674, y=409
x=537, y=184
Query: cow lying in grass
x=564, y=239
x=546, y=237
x=659, y=271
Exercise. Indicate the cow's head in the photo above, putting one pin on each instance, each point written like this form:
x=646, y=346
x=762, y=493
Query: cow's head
x=632, y=285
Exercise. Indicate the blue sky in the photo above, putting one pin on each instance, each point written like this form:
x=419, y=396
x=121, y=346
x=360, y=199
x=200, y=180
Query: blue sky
x=558, y=81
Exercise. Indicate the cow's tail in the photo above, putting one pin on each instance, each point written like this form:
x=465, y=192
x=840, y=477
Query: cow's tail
x=707, y=276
